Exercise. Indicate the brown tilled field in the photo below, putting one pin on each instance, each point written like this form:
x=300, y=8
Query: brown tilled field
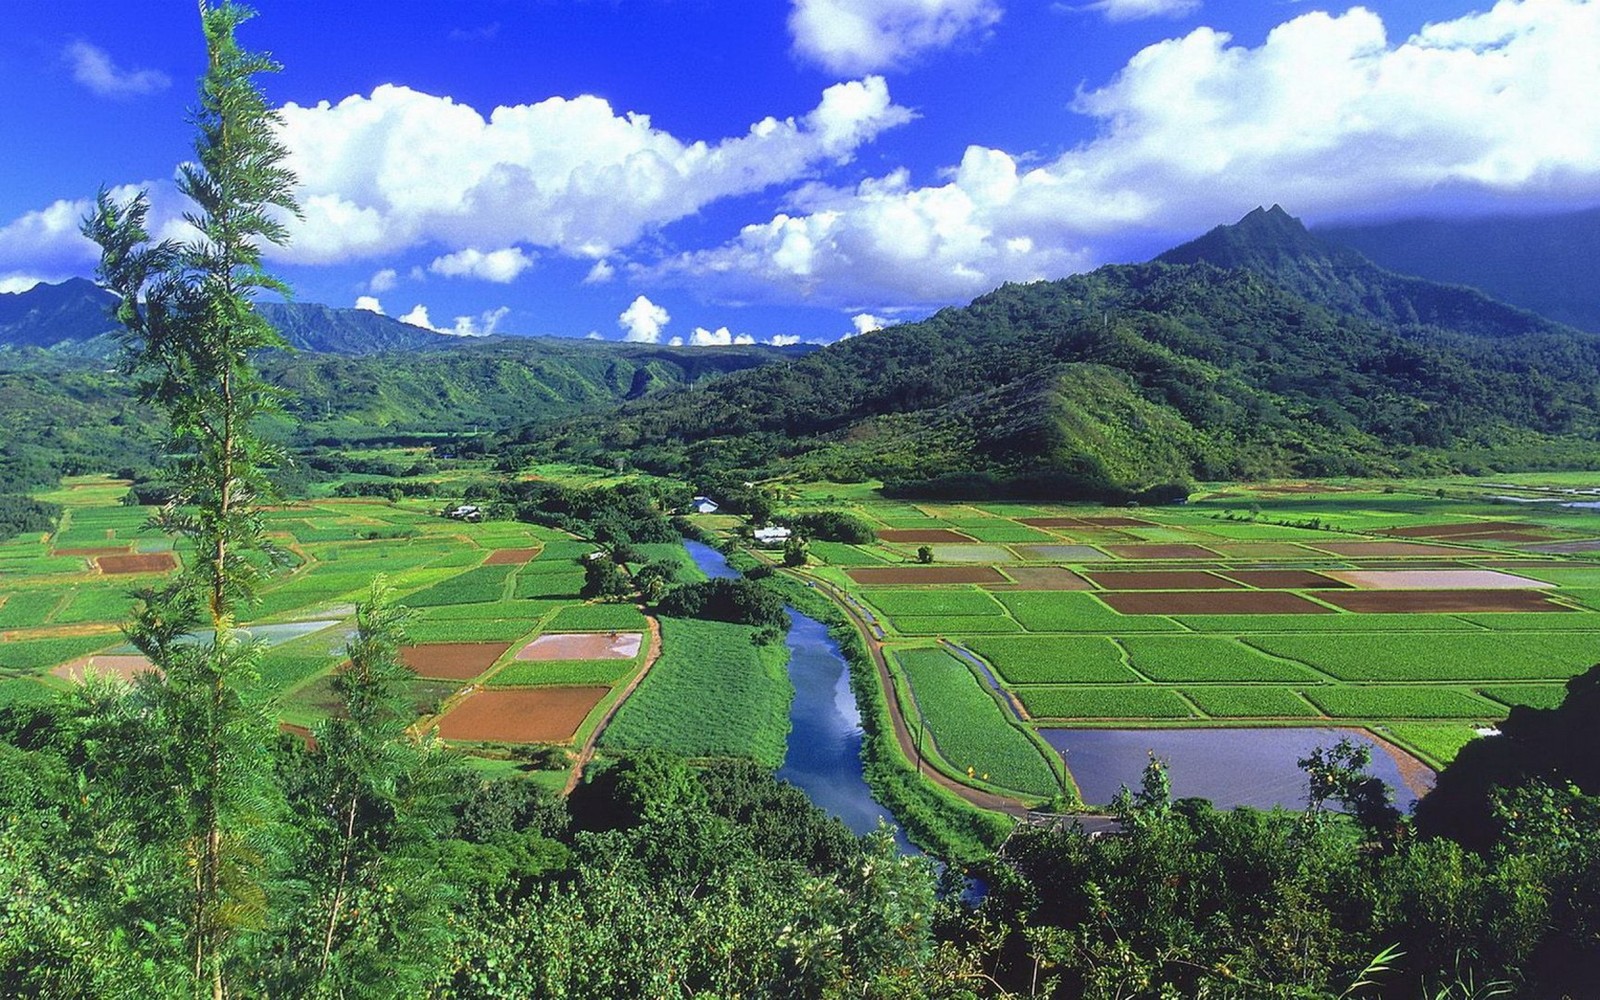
x=1213, y=602
x=510, y=557
x=1162, y=580
x=1447, y=530
x=1415, y=601
x=456, y=661
x=1286, y=579
x=521, y=715
x=1180, y=550
x=150, y=562
x=119, y=666
x=1048, y=578
x=1261, y=550
x=583, y=646
x=921, y=535
x=898, y=575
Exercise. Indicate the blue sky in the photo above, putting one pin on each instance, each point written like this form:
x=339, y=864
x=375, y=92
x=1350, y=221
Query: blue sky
x=712, y=170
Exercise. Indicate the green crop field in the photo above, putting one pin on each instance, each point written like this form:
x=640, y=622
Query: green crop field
x=597, y=618
x=1207, y=658
x=1250, y=701
x=1443, y=657
x=919, y=625
x=1083, y=702
x=1532, y=695
x=925, y=603
x=712, y=693
x=525, y=673
x=1053, y=659
x=970, y=728
x=1401, y=702
x=1438, y=742
x=486, y=583
x=28, y=608
x=1075, y=611
x=21, y=656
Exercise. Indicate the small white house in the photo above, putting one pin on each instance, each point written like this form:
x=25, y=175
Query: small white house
x=467, y=512
x=772, y=535
x=703, y=505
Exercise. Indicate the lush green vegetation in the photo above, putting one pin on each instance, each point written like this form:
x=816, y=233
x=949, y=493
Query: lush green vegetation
x=1055, y=702
x=1424, y=657
x=1249, y=702
x=714, y=692
x=1206, y=658
x=970, y=730
x=1054, y=659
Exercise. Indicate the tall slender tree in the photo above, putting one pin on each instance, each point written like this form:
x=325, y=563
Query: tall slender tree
x=191, y=333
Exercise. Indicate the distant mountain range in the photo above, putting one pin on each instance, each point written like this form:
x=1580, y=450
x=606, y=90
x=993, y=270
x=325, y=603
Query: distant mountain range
x=74, y=318
x=1258, y=349
x=1549, y=264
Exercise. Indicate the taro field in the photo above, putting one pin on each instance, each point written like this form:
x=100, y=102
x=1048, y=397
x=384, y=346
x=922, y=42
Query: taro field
x=504, y=650
x=1419, y=612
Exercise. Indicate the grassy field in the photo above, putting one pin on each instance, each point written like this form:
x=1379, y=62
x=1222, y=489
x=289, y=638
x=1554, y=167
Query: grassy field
x=712, y=693
x=970, y=729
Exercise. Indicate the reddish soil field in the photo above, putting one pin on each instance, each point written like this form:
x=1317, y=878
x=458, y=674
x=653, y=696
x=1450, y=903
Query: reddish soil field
x=1048, y=578
x=1421, y=601
x=114, y=550
x=921, y=535
x=152, y=562
x=1286, y=579
x=510, y=557
x=583, y=646
x=1446, y=530
x=894, y=575
x=521, y=715
x=122, y=667
x=1230, y=602
x=1505, y=536
x=1176, y=551
x=1113, y=522
x=456, y=661
x=1162, y=580
x=1261, y=550
x=1592, y=545
x=1382, y=549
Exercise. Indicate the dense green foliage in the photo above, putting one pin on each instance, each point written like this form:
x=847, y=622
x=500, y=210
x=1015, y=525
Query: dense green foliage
x=1105, y=384
x=742, y=601
x=20, y=514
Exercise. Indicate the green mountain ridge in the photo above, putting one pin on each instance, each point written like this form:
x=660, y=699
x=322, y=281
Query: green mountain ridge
x=1257, y=350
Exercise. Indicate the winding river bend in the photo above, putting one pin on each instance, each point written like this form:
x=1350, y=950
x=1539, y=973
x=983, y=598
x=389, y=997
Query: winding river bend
x=824, y=751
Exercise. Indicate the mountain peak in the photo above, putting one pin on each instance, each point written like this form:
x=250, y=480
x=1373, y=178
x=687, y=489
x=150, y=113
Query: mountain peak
x=1262, y=240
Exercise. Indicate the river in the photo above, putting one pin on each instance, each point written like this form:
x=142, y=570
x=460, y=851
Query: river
x=824, y=750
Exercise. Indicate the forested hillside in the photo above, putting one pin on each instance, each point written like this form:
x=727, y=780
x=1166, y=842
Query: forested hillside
x=1254, y=351
x=69, y=414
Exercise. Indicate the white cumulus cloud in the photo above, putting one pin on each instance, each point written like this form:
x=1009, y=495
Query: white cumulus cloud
x=1326, y=116
x=93, y=68
x=400, y=168
x=600, y=273
x=383, y=281
x=497, y=265
x=642, y=321
x=720, y=337
x=481, y=325
x=1138, y=10
x=859, y=36
x=370, y=303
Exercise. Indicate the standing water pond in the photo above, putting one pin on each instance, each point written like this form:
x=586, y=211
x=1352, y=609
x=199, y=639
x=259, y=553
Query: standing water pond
x=1231, y=767
x=824, y=752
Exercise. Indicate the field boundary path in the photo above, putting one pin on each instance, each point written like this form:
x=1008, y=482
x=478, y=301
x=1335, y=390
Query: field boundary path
x=902, y=732
x=586, y=752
